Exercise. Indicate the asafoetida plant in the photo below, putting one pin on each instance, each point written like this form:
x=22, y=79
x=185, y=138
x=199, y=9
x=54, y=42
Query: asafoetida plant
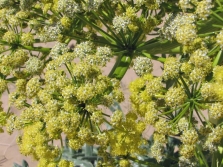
x=61, y=90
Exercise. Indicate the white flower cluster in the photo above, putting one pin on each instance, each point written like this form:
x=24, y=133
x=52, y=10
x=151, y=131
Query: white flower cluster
x=92, y=4
x=180, y=26
x=203, y=9
x=142, y=65
x=219, y=39
x=120, y=23
x=34, y=65
x=50, y=33
x=69, y=7
x=83, y=49
x=58, y=49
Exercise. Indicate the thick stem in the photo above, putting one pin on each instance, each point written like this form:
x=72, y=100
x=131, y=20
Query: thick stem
x=158, y=47
x=121, y=66
x=40, y=49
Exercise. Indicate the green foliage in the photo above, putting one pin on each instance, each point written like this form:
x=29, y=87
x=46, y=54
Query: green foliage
x=86, y=156
x=24, y=164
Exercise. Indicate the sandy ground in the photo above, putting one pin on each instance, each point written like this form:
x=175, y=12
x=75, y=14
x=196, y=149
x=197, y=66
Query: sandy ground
x=9, y=152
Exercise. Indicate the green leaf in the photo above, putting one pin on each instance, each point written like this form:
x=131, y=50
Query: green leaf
x=16, y=165
x=115, y=106
x=82, y=163
x=24, y=163
x=88, y=150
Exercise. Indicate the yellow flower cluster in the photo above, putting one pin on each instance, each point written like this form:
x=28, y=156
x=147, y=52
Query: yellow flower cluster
x=63, y=104
x=61, y=90
x=171, y=68
x=126, y=138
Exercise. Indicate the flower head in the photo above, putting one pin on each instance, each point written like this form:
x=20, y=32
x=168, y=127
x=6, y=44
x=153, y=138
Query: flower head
x=142, y=65
x=175, y=97
x=34, y=65
x=171, y=68
x=121, y=23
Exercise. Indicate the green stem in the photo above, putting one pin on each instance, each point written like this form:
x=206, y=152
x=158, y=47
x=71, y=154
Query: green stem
x=200, y=105
x=61, y=142
x=191, y=115
x=70, y=73
x=193, y=90
x=119, y=52
x=108, y=27
x=4, y=43
x=219, y=3
x=105, y=114
x=180, y=115
x=156, y=47
x=200, y=156
x=106, y=121
x=82, y=119
x=218, y=59
x=122, y=35
x=207, y=34
x=217, y=26
x=103, y=33
x=110, y=10
x=200, y=113
x=160, y=59
x=7, y=90
x=90, y=123
x=98, y=129
x=136, y=37
x=144, y=44
x=98, y=40
x=218, y=17
x=121, y=66
x=122, y=6
x=106, y=14
x=167, y=112
x=40, y=49
x=213, y=50
x=187, y=91
x=5, y=50
x=8, y=110
x=206, y=27
x=218, y=155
